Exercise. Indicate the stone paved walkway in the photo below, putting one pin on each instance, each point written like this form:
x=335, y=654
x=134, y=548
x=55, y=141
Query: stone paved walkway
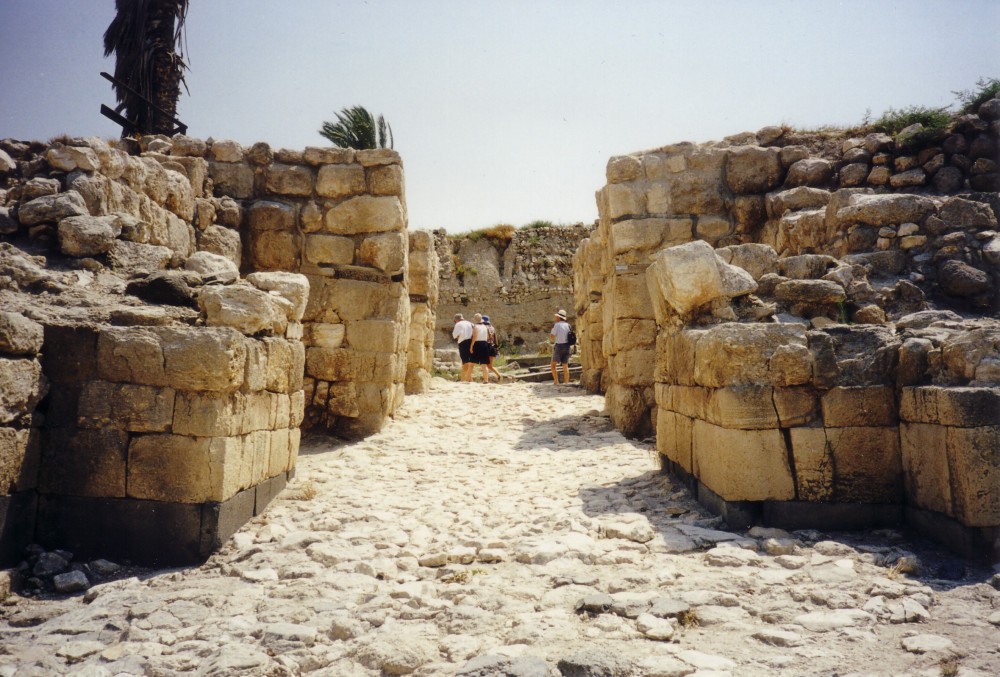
x=507, y=530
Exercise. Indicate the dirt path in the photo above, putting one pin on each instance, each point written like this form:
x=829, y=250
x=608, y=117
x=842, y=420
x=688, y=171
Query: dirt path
x=507, y=530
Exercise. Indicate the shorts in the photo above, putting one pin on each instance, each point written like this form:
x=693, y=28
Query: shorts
x=560, y=353
x=464, y=351
x=481, y=352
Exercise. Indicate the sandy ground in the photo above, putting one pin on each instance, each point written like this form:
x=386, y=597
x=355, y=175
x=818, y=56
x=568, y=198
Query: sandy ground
x=507, y=530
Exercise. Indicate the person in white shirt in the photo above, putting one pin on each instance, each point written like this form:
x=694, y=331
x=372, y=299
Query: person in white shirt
x=481, y=346
x=463, y=334
x=560, y=351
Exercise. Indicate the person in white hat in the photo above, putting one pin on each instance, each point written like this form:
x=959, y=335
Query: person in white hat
x=560, y=351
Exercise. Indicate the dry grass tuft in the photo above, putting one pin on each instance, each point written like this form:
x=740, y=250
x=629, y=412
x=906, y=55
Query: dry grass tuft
x=305, y=492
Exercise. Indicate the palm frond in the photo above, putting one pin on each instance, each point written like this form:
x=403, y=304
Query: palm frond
x=357, y=128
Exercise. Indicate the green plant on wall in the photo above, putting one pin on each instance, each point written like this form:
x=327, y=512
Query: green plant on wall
x=358, y=129
x=972, y=99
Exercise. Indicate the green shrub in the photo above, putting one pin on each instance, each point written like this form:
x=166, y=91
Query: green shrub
x=894, y=121
x=972, y=99
x=539, y=224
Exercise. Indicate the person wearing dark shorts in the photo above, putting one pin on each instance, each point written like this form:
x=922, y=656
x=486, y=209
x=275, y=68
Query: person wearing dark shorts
x=560, y=351
x=463, y=334
x=481, y=346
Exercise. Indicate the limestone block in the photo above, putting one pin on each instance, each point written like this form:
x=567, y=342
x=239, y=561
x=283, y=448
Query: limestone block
x=256, y=456
x=697, y=192
x=387, y=252
x=270, y=215
x=83, y=462
x=259, y=410
x=884, y=209
x=377, y=157
x=208, y=414
x=19, y=335
x=126, y=406
x=673, y=437
x=926, y=475
x=297, y=368
x=340, y=181
x=179, y=195
x=195, y=172
x=68, y=158
x=632, y=333
x=366, y=214
x=647, y=234
x=658, y=167
x=325, y=335
x=623, y=168
x=811, y=171
x=633, y=367
x=324, y=250
x=20, y=451
x=242, y=307
x=795, y=406
x=342, y=400
x=791, y=365
x=289, y=180
x=222, y=241
x=282, y=410
x=974, y=464
x=386, y=180
x=690, y=401
x=675, y=353
x=51, y=208
x=279, y=452
x=658, y=199
x=713, y=228
x=180, y=469
x=275, y=250
x=868, y=464
x=255, y=366
x=859, y=406
x=742, y=465
x=864, y=354
x=232, y=179
x=742, y=407
x=226, y=150
x=292, y=287
x=213, y=267
x=813, y=464
x=329, y=364
x=740, y=354
x=311, y=218
x=751, y=169
x=756, y=259
x=324, y=156
x=686, y=276
x=280, y=364
x=623, y=200
x=803, y=197
x=87, y=235
x=175, y=234
x=961, y=407
x=802, y=231
x=354, y=299
x=296, y=408
x=22, y=387
x=373, y=335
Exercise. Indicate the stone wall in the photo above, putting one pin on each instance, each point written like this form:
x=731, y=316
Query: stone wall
x=423, y=275
x=761, y=304
x=874, y=200
x=519, y=282
x=178, y=386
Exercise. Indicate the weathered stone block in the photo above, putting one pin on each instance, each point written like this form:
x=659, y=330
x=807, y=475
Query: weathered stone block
x=207, y=414
x=926, y=474
x=740, y=354
x=271, y=215
x=258, y=411
x=342, y=400
x=329, y=364
x=126, y=406
x=751, y=169
x=386, y=252
x=622, y=200
x=366, y=214
x=868, y=464
x=325, y=250
x=22, y=386
x=242, y=307
x=279, y=458
x=795, y=406
x=380, y=336
x=179, y=469
x=280, y=363
x=232, y=179
x=633, y=334
x=974, y=464
x=961, y=407
x=742, y=465
x=289, y=180
x=350, y=300
x=813, y=464
x=83, y=462
x=275, y=250
x=859, y=406
x=742, y=407
x=385, y=180
x=340, y=181
x=20, y=452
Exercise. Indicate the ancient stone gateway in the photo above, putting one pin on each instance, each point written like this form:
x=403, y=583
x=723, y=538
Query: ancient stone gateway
x=150, y=425
x=783, y=320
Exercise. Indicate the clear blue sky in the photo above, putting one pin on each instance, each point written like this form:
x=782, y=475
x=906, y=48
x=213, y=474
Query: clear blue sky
x=507, y=111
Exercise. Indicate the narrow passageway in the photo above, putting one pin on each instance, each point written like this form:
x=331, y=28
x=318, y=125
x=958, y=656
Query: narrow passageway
x=508, y=530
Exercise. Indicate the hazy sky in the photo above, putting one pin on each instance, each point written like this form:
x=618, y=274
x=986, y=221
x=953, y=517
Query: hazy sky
x=507, y=110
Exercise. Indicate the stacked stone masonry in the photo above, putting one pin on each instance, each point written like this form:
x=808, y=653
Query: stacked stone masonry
x=519, y=282
x=801, y=340
x=156, y=395
x=423, y=273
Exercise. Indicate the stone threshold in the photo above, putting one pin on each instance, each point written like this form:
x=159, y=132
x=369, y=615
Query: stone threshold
x=974, y=543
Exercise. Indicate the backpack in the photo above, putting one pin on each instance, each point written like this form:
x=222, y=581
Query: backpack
x=571, y=337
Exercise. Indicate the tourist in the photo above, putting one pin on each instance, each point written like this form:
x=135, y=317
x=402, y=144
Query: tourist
x=463, y=334
x=494, y=347
x=480, y=346
x=560, y=351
